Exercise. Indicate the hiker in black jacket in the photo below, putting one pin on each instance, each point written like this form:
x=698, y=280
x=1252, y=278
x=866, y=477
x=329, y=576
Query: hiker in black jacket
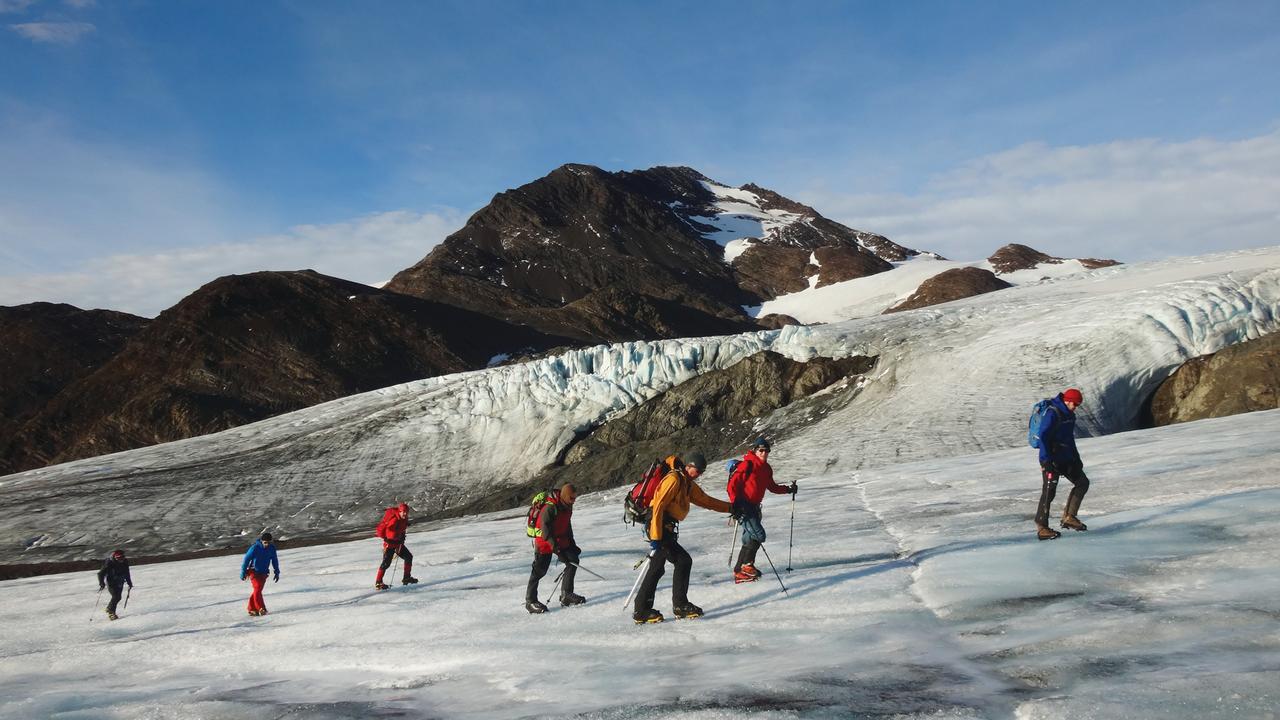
x=114, y=575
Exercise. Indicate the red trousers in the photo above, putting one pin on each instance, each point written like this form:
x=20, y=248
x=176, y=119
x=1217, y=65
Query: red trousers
x=257, y=579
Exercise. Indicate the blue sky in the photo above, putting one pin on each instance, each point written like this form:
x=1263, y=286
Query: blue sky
x=164, y=141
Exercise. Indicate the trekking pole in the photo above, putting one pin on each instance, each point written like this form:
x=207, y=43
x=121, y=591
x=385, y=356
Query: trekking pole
x=567, y=562
x=127, y=593
x=733, y=541
x=775, y=571
x=792, y=535
x=553, y=587
x=395, y=564
x=636, y=584
x=96, y=603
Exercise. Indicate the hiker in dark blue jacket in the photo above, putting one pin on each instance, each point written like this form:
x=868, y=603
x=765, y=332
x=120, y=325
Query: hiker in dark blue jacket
x=113, y=576
x=260, y=557
x=1060, y=458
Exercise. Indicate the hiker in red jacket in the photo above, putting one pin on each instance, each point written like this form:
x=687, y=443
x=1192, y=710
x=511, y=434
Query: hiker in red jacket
x=395, y=522
x=554, y=536
x=750, y=478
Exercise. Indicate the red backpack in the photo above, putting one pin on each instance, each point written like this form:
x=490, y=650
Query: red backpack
x=636, y=504
x=388, y=519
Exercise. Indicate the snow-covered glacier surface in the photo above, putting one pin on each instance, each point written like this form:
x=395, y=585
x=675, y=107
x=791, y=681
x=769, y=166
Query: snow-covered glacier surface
x=952, y=380
x=917, y=590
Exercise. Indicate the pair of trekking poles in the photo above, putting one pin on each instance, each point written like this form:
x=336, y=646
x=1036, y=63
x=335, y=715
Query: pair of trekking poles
x=98, y=602
x=791, y=536
x=733, y=543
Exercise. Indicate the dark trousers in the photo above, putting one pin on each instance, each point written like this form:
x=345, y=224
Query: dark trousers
x=669, y=551
x=116, y=591
x=391, y=551
x=1049, y=478
x=753, y=535
x=541, y=563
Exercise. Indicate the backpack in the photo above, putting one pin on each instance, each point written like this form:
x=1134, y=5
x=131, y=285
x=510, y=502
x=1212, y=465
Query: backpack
x=388, y=518
x=539, y=501
x=732, y=466
x=635, y=506
x=1037, y=416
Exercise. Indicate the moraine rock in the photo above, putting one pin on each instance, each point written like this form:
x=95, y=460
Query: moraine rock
x=1241, y=378
x=1014, y=257
x=951, y=285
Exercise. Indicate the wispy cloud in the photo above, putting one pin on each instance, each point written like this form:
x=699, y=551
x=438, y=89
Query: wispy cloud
x=15, y=6
x=53, y=33
x=81, y=4
x=1130, y=200
x=368, y=249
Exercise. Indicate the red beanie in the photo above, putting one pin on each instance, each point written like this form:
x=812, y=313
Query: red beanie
x=1072, y=395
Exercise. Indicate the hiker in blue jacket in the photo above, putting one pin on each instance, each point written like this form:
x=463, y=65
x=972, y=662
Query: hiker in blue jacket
x=1060, y=458
x=260, y=557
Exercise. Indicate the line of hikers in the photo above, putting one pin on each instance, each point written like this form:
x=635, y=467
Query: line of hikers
x=659, y=502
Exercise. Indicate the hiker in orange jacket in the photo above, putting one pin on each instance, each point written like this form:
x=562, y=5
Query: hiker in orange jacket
x=392, y=530
x=671, y=505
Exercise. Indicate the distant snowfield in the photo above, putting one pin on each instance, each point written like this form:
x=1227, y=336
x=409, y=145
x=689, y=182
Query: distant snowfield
x=872, y=295
x=951, y=380
x=918, y=591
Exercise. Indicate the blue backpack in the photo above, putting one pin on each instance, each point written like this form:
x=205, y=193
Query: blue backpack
x=1037, y=416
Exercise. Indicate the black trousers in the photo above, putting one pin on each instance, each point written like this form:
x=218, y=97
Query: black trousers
x=116, y=591
x=1049, y=479
x=669, y=551
x=393, y=550
x=541, y=563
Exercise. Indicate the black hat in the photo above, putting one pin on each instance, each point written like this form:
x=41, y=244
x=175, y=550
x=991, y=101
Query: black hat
x=761, y=443
x=266, y=537
x=697, y=460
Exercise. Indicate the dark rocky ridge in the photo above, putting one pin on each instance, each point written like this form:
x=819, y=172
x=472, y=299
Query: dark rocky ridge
x=47, y=347
x=951, y=285
x=716, y=413
x=246, y=347
x=1013, y=257
x=544, y=253
x=1241, y=378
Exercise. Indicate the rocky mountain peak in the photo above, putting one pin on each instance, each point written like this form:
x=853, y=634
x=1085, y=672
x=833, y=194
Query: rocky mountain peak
x=542, y=253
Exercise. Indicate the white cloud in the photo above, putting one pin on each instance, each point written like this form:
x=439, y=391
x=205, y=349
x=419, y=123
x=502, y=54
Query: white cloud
x=53, y=33
x=369, y=249
x=81, y=4
x=1129, y=200
x=15, y=6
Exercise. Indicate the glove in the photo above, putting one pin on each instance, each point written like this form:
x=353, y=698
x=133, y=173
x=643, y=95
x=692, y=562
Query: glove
x=654, y=545
x=103, y=586
x=277, y=578
x=794, y=488
x=130, y=586
x=243, y=578
x=1049, y=467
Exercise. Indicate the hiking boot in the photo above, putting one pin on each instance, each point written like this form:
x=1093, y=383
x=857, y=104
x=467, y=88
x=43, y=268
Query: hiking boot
x=646, y=616
x=687, y=610
x=380, y=585
x=750, y=569
x=112, y=616
x=568, y=599
x=1047, y=533
x=742, y=576
x=534, y=607
x=409, y=580
x=1072, y=522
